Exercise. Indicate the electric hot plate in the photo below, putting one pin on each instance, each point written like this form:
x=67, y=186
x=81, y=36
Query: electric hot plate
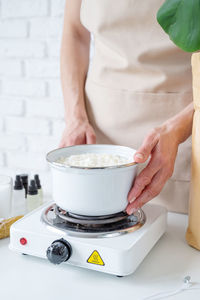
x=114, y=244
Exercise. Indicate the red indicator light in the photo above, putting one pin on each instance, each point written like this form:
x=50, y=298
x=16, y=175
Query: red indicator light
x=23, y=241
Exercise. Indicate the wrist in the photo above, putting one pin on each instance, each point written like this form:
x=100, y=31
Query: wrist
x=77, y=116
x=76, y=111
x=175, y=127
x=181, y=124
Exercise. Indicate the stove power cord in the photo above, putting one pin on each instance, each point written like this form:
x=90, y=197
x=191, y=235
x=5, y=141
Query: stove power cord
x=186, y=285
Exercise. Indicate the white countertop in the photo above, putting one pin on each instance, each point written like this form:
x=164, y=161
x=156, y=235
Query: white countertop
x=24, y=277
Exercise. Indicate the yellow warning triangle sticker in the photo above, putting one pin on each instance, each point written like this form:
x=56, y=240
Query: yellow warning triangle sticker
x=95, y=259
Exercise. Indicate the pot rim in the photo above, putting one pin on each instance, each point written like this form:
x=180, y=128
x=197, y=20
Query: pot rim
x=60, y=165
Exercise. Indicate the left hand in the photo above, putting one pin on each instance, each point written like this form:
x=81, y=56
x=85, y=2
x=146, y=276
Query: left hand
x=161, y=144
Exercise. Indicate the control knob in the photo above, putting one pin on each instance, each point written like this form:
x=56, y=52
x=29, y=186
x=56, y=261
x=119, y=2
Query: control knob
x=59, y=251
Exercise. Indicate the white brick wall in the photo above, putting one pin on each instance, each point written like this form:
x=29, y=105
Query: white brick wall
x=21, y=48
x=31, y=105
x=23, y=87
x=6, y=29
x=24, y=8
x=10, y=68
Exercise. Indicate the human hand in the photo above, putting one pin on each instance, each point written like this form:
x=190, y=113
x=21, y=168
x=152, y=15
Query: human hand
x=161, y=145
x=77, y=132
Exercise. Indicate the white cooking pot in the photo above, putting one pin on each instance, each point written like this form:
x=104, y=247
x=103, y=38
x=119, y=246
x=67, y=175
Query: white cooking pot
x=91, y=191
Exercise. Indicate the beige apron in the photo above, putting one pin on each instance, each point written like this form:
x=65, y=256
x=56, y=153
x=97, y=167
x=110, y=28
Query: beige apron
x=137, y=80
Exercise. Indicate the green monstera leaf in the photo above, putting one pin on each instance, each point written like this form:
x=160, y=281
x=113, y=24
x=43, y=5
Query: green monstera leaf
x=180, y=19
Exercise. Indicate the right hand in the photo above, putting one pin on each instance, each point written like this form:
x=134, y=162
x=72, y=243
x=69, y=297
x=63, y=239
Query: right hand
x=77, y=132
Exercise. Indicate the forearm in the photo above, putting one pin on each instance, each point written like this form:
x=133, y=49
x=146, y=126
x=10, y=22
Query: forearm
x=74, y=67
x=181, y=123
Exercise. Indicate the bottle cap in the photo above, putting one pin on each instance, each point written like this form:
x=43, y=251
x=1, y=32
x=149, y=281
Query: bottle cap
x=32, y=189
x=18, y=183
x=24, y=178
x=37, y=180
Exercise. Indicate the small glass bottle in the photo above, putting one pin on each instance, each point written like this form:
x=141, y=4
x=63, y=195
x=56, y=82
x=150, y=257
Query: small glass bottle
x=39, y=187
x=33, y=199
x=6, y=189
x=24, y=178
x=18, y=199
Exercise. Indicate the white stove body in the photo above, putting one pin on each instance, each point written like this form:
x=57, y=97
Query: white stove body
x=119, y=255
